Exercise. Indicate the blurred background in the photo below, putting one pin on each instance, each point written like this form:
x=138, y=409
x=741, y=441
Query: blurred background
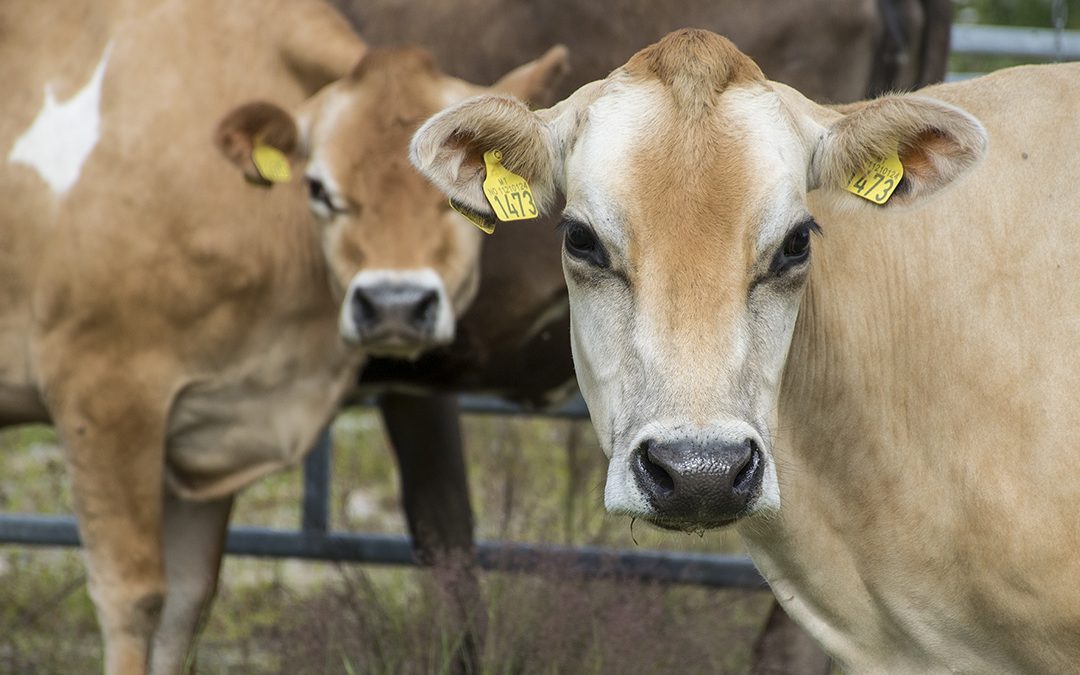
x=532, y=480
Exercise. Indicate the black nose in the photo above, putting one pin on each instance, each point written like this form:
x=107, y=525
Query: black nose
x=394, y=312
x=699, y=484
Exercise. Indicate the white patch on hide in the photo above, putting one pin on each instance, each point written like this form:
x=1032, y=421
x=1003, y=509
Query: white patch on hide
x=63, y=135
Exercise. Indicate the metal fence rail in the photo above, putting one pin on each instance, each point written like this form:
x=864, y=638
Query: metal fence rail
x=1025, y=43
x=660, y=566
x=314, y=540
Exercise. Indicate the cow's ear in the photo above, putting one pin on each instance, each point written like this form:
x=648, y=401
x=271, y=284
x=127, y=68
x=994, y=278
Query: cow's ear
x=256, y=124
x=936, y=144
x=536, y=81
x=449, y=149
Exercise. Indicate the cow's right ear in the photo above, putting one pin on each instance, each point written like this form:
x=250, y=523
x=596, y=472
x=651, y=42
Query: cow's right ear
x=935, y=143
x=252, y=125
x=449, y=149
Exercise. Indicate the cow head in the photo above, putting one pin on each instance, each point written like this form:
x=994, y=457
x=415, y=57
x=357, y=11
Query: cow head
x=404, y=263
x=687, y=248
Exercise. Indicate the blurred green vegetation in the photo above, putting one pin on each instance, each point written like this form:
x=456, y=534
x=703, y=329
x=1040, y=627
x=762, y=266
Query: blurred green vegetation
x=1027, y=13
x=1034, y=13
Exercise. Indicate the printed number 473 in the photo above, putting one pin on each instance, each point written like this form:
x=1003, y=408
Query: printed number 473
x=865, y=187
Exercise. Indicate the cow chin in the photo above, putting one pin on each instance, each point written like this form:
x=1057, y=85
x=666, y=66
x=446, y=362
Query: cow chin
x=695, y=527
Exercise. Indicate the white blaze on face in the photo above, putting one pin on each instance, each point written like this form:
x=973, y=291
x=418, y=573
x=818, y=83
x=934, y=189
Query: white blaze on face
x=63, y=134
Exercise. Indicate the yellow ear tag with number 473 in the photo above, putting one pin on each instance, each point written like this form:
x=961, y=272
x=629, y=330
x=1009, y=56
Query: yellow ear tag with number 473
x=508, y=193
x=271, y=163
x=878, y=180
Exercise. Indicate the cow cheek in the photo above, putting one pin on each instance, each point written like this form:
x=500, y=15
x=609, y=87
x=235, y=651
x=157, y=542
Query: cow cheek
x=598, y=329
x=457, y=261
x=345, y=255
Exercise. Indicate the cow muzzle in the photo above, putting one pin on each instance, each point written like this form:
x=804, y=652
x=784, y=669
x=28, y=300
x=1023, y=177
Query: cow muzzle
x=691, y=484
x=397, y=313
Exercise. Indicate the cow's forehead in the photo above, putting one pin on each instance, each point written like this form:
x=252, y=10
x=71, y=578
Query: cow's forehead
x=663, y=183
x=363, y=123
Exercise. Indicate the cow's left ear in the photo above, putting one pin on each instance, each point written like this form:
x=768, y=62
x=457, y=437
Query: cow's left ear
x=536, y=81
x=450, y=150
x=259, y=124
x=935, y=142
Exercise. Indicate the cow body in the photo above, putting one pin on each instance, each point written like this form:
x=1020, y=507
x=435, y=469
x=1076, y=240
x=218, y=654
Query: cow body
x=928, y=414
x=832, y=50
x=108, y=269
x=886, y=411
x=176, y=332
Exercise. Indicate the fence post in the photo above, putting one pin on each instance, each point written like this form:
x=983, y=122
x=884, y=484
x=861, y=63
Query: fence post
x=316, y=503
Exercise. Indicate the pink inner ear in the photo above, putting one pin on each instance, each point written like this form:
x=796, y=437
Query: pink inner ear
x=917, y=154
x=236, y=146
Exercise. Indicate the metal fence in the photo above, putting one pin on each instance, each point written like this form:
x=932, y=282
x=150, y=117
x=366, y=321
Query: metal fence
x=1036, y=44
x=315, y=540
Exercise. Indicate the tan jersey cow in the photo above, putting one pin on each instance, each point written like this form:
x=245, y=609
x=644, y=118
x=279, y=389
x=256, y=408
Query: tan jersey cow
x=887, y=411
x=187, y=331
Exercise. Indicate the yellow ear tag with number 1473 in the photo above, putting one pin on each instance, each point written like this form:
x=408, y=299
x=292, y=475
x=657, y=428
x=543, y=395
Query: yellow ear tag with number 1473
x=508, y=193
x=878, y=180
x=271, y=163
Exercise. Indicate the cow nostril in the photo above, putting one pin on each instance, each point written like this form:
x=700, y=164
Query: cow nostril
x=364, y=310
x=748, y=476
x=426, y=309
x=662, y=481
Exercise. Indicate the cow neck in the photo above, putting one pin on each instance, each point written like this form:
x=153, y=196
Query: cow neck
x=838, y=435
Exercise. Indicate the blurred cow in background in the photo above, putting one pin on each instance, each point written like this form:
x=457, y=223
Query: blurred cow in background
x=184, y=330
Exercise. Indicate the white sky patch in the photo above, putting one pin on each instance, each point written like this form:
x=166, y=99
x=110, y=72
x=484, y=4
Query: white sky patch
x=63, y=135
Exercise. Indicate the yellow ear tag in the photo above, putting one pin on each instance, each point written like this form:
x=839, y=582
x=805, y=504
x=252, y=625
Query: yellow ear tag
x=271, y=163
x=878, y=179
x=473, y=217
x=508, y=193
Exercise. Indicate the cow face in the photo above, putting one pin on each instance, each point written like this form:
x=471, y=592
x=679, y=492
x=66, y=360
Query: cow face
x=404, y=263
x=688, y=244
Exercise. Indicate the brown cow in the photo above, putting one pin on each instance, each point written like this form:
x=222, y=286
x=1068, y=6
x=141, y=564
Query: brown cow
x=186, y=332
x=887, y=412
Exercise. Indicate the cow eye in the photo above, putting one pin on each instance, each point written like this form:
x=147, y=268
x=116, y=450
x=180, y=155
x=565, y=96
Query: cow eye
x=319, y=196
x=797, y=244
x=796, y=247
x=580, y=242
